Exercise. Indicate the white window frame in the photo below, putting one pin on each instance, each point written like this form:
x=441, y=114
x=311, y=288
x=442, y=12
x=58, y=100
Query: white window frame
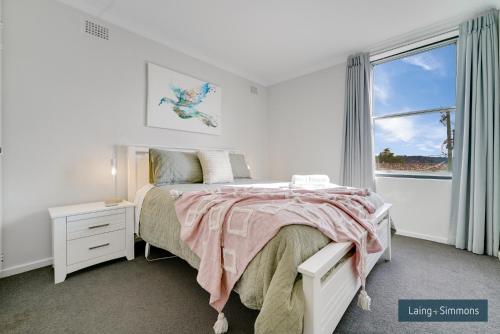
x=406, y=50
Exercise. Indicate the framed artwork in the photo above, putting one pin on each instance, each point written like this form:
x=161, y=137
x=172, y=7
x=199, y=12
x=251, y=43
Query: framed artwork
x=180, y=102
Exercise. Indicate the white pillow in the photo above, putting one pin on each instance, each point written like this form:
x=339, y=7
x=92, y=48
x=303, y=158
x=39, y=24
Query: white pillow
x=216, y=166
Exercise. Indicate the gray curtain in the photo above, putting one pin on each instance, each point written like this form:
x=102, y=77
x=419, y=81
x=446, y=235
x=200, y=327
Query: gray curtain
x=475, y=217
x=357, y=162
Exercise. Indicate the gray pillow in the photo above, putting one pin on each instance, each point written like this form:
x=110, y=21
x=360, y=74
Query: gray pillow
x=168, y=167
x=239, y=166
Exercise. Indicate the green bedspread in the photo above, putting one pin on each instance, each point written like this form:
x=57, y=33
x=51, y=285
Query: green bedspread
x=270, y=283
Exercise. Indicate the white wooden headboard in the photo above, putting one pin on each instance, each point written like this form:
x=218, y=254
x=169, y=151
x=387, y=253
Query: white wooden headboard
x=138, y=165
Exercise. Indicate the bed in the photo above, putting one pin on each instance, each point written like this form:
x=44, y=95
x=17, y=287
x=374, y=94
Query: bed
x=300, y=281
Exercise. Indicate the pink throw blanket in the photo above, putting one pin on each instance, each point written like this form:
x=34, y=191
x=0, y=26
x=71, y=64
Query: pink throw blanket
x=226, y=228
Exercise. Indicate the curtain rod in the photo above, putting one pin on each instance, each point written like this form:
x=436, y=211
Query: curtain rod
x=412, y=43
x=417, y=43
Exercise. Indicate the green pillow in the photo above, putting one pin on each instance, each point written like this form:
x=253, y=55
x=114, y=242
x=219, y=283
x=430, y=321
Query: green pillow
x=168, y=167
x=239, y=166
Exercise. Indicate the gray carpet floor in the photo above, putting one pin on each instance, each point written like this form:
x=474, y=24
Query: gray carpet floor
x=163, y=296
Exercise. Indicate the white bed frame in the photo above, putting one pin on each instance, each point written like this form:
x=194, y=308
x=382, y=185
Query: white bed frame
x=329, y=282
x=328, y=279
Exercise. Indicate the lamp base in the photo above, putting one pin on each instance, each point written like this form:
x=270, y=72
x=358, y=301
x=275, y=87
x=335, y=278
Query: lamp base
x=112, y=201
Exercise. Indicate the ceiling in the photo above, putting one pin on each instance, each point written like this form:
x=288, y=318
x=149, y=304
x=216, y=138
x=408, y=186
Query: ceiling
x=270, y=41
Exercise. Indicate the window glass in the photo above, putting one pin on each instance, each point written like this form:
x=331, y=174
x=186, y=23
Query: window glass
x=414, y=113
x=420, y=81
x=414, y=143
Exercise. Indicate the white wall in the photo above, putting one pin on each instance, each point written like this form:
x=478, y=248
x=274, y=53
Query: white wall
x=421, y=206
x=69, y=98
x=306, y=120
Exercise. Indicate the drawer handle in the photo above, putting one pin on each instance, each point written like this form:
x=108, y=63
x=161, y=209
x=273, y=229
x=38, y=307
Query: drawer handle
x=103, y=245
x=97, y=226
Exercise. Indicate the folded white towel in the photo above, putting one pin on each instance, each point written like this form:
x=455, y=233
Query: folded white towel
x=319, y=179
x=310, y=180
x=298, y=180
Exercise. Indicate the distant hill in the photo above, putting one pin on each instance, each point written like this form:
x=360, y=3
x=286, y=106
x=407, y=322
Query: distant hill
x=408, y=159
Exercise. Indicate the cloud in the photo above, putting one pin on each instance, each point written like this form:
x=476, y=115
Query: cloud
x=429, y=146
x=397, y=129
x=425, y=61
x=381, y=86
x=381, y=93
x=411, y=133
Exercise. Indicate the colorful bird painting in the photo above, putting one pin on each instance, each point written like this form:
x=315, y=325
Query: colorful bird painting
x=187, y=101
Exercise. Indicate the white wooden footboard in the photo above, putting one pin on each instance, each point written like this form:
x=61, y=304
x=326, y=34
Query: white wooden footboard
x=329, y=282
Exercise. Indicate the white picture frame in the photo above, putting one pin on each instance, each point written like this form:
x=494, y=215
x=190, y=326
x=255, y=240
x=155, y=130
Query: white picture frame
x=180, y=102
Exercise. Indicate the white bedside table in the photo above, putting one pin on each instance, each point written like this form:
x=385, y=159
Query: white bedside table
x=87, y=234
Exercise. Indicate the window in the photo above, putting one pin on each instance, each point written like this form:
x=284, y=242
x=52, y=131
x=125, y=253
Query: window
x=414, y=112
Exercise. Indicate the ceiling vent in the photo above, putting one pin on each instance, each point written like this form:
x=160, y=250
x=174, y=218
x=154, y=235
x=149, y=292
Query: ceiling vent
x=96, y=30
x=254, y=90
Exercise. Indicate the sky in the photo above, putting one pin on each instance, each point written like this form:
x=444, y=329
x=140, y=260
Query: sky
x=422, y=81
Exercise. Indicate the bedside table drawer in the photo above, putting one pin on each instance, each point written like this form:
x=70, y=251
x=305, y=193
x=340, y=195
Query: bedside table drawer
x=83, y=249
x=94, y=225
x=90, y=215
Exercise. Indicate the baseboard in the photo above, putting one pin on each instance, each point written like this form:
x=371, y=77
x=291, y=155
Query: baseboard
x=21, y=268
x=410, y=234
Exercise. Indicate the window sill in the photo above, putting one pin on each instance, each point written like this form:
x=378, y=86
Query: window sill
x=414, y=176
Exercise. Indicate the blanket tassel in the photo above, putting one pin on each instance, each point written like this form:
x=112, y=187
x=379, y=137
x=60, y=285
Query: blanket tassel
x=364, y=301
x=221, y=326
x=175, y=194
